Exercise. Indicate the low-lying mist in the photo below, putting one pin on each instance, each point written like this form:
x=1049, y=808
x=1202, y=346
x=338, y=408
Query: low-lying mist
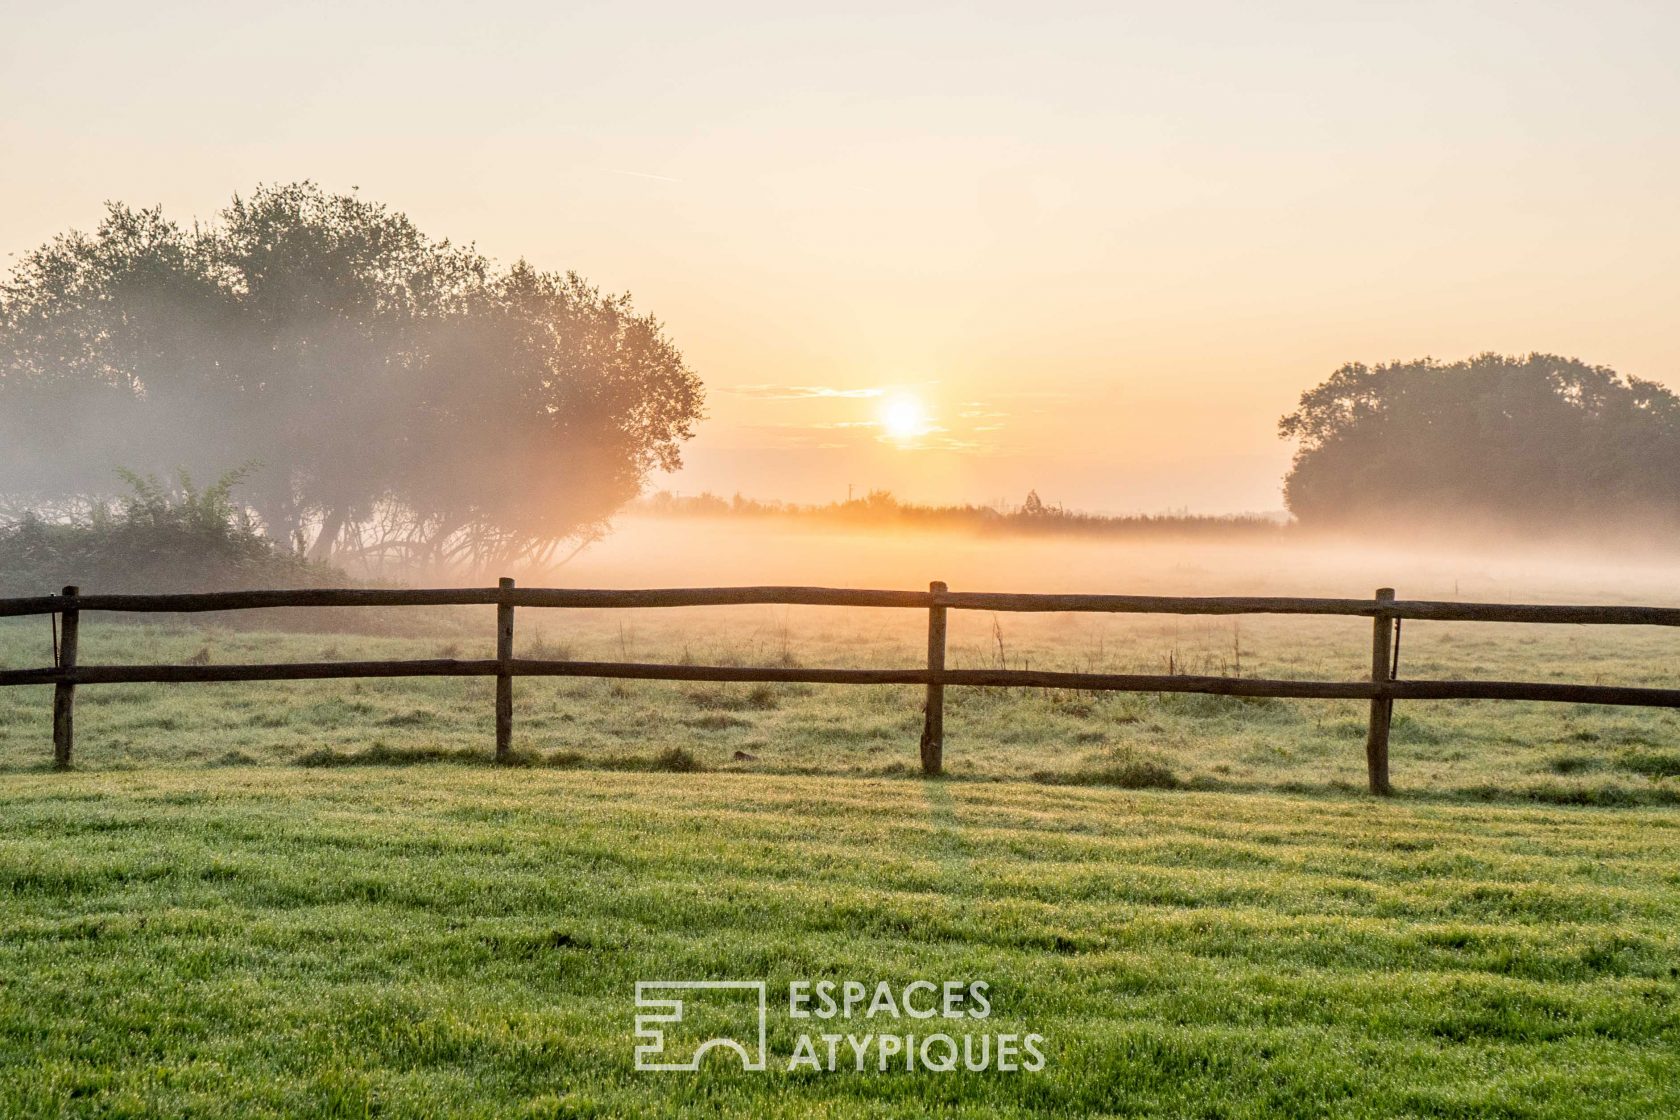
x=652, y=551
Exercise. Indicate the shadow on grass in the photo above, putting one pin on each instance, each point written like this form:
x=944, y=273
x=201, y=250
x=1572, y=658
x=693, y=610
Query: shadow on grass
x=1603, y=795
x=1122, y=773
x=1129, y=774
x=674, y=760
x=1144, y=774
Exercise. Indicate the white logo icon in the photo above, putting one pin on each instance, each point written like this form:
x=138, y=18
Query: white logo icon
x=736, y=1001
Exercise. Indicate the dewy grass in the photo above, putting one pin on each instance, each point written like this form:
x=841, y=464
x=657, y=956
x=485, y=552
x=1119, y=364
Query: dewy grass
x=426, y=941
x=321, y=898
x=1471, y=749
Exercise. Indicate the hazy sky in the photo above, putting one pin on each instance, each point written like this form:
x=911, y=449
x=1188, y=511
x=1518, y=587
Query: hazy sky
x=1095, y=249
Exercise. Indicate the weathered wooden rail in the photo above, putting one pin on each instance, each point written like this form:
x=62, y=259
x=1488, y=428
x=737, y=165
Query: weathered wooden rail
x=1382, y=688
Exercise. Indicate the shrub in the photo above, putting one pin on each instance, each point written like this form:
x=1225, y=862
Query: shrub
x=1652, y=764
x=381, y=754
x=1123, y=769
x=760, y=698
x=158, y=539
x=678, y=761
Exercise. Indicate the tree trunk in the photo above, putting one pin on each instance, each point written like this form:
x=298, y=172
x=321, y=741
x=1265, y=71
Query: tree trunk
x=331, y=526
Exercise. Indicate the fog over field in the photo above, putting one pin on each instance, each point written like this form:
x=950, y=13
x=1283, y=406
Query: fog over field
x=657, y=552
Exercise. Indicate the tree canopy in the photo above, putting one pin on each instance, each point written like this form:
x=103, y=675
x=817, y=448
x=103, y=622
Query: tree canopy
x=399, y=400
x=1532, y=442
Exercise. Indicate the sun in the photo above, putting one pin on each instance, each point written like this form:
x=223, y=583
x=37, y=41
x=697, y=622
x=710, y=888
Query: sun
x=903, y=417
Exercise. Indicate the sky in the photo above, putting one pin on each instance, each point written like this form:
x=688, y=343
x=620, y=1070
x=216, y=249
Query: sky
x=955, y=252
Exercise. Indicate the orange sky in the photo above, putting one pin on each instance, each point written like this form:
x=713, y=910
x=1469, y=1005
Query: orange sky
x=1104, y=246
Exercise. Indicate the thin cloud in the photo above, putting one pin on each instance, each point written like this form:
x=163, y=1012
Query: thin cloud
x=937, y=441
x=801, y=392
x=853, y=434
x=1033, y=395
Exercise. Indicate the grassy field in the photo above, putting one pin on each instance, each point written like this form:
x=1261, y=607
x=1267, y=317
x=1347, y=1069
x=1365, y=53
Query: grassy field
x=318, y=898
x=419, y=941
x=1563, y=753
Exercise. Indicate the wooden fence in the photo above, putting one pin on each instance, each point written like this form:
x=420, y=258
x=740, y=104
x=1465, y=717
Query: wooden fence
x=1382, y=689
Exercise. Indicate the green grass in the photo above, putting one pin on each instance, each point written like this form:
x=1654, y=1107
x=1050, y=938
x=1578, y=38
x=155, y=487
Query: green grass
x=1569, y=754
x=319, y=898
x=423, y=941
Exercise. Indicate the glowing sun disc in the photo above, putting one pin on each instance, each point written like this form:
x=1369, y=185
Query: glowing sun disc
x=903, y=418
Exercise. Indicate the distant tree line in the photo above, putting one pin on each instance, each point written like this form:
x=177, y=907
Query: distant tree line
x=398, y=401
x=880, y=509
x=1532, y=443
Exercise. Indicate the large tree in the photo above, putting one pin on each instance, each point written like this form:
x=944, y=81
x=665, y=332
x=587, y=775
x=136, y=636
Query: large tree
x=1532, y=442
x=399, y=398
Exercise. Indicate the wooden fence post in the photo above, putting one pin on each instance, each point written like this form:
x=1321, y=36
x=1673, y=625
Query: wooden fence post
x=64, y=693
x=933, y=723
x=504, y=674
x=1382, y=707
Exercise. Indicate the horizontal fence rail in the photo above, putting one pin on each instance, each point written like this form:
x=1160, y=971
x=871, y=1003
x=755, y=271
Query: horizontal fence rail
x=1422, y=609
x=1382, y=689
